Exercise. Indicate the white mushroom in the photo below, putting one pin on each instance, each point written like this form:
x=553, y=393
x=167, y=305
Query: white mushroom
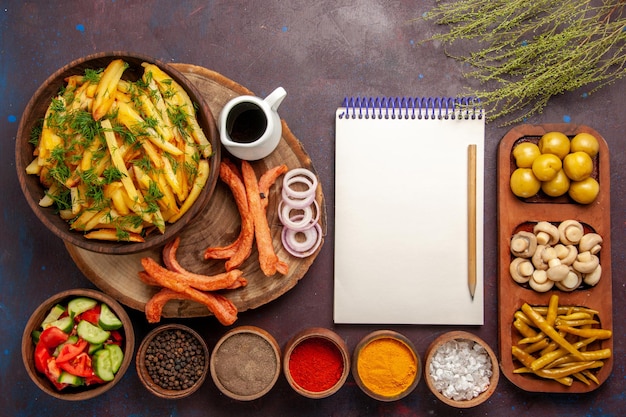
x=561, y=250
x=541, y=287
x=567, y=254
x=591, y=242
x=537, y=258
x=523, y=244
x=585, y=262
x=570, y=232
x=540, y=276
x=571, y=281
x=547, y=233
x=548, y=254
x=593, y=277
x=558, y=272
x=521, y=270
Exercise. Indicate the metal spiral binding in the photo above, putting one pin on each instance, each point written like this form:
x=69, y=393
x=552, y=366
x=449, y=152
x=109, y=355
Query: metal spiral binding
x=412, y=108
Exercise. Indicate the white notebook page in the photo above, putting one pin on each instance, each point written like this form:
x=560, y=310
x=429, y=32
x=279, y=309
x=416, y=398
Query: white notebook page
x=401, y=221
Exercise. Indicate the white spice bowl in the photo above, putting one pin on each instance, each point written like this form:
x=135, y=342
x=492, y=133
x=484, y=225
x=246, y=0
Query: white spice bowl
x=460, y=336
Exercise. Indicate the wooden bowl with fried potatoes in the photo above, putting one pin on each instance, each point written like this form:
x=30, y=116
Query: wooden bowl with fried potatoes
x=117, y=152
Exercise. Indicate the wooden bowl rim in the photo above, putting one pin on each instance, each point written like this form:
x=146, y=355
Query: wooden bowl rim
x=142, y=372
x=317, y=333
x=60, y=228
x=263, y=334
x=385, y=334
x=39, y=314
x=462, y=335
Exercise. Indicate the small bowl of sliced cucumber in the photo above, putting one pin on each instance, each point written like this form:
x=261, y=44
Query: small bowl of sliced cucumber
x=78, y=344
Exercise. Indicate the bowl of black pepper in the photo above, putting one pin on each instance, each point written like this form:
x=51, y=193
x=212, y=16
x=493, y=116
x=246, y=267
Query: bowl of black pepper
x=172, y=361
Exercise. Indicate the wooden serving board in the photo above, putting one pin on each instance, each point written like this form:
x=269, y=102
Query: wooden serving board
x=513, y=215
x=218, y=225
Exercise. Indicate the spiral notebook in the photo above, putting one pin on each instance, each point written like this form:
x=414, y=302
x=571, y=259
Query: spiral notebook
x=401, y=211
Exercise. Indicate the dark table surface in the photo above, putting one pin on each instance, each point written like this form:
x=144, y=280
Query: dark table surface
x=319, y=51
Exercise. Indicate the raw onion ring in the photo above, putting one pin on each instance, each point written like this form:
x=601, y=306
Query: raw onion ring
x=298, y=203
x=312, y=241
x=299, y=221
x=299, y=175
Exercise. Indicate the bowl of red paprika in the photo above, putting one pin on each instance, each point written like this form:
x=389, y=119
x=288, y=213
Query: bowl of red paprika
x=316, y=362
x=77, y=344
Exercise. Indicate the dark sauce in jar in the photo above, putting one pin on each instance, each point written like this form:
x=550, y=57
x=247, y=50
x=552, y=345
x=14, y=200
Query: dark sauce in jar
x=246, y=123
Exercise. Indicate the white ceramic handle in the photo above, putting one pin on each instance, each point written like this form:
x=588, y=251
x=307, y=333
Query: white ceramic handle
x=275, y=98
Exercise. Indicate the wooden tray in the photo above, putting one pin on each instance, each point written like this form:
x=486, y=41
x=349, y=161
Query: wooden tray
x=512, y=213
x=218, y=225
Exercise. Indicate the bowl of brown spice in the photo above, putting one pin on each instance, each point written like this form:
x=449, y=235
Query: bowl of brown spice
x=245, y=363
x=172, y=361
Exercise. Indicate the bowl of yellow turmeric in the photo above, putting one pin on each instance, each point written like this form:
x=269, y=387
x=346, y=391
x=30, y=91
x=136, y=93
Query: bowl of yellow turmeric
x=386, y=365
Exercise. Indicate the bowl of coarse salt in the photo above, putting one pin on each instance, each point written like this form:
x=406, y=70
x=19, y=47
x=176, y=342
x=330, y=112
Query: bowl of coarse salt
x=460, y=369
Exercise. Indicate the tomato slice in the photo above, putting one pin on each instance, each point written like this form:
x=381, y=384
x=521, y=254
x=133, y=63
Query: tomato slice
x=41, y=357
x=78, y=366
x=93, y=379
x=116, y=337
x=53, y=372
x=70, y=350
x=52, y=337
x=91, y=315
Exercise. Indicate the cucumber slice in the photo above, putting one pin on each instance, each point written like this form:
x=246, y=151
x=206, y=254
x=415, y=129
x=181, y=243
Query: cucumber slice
x=93, y=347
x=80, y=305
x=102, y=365
x=65, y=324
x=108, y=320
x=92, y=334
x=53, y=315
x=73, y=380
x=117, y=357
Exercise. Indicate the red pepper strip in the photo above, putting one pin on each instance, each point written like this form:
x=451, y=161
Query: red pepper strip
x=53, y=372
x=93, y=379
x=116, y=337
x=78, y=366
x=52, y=337
x=71, y=350
x=91, y=315
x=41, y=358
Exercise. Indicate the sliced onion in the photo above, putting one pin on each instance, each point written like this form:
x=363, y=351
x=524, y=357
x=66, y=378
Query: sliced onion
x=301, y=176
x=302, y=249
x=298, y=202
x=300, y=220
x=299, y=213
